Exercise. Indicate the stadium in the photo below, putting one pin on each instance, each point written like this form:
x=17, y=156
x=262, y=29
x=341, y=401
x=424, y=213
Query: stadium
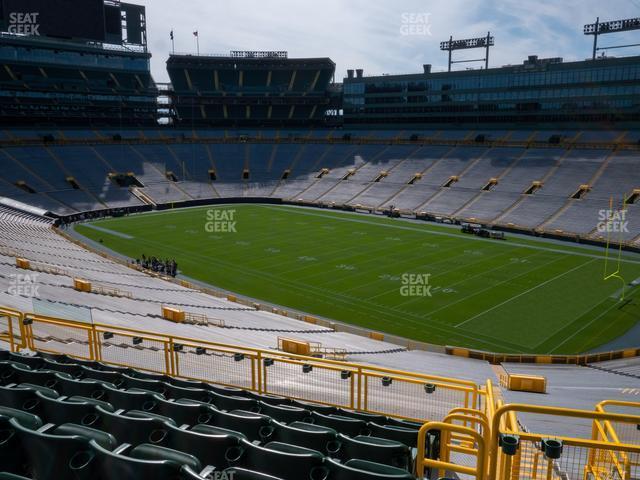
x=268, y=269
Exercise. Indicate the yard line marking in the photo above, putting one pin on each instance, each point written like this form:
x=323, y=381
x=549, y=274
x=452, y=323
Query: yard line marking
x=432, y=232
x=445, y=272
x=110, y=232
x=330, y=297
x=524, y=293
x=484, y=272
x=578, y=331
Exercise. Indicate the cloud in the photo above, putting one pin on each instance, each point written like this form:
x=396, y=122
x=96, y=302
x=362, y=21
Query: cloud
x=367, y=34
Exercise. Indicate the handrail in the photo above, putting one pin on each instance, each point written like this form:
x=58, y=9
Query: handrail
x=562, y=412
x=10, y=314
x=355, y=393
x=421, y=462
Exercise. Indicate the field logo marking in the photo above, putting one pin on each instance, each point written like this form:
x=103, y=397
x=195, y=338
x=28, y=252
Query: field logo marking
x=614, y=221
x=24, y=284
x=221, y=220
x=415, y=285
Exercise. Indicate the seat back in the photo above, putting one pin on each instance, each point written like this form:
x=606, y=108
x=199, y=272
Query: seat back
x=364, y=470
x=134, y=431
x=255, y=428
x=285, y=413
x=51, y=457
x=349, y=426
x=307, y=465
x=408, y=436
x=115, y=466
x=379, y=450
x=209, y=449
x=315, y=437
x=130, y=400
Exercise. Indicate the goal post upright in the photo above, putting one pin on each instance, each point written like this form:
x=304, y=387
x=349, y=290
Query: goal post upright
x=616, y=273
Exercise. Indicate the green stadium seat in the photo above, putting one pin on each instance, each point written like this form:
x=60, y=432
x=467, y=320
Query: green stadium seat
x=404, y=423
x=104, y=439
x=408, y=436
x=11, y=476
x=364, y=470
x=73, y=369
x=367, y=417
x=284, y=461
x=254, y=427
x=45, y=391
x=229, y=391
x=315, y=437
x=233, y=402
x=141, y=462
x=130, y=400
x=184, y=413
x=141, y=374
x=285, y=413
x=114, y=378
x=32, y=361
x=185, y=383
x=62, y=411
x=157, y=453
x=379, y=450
x=209, y=449
x=19, y=398
x=270, y=399
x=16, y=373
x=315, y=407
x=27, y=420
x=176, y=391
x=132, y=430
x=143, y=384
x=98, y=403
x=46, y=456
x=347, y=425
x=215, y=430
x=106, y=367
x=81, y=388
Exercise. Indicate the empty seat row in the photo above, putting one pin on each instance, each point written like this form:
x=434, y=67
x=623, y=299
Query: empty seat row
x=79, y=452
x=142, y=417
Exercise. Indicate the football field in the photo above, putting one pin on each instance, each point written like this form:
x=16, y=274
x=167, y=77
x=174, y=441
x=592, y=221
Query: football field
x=421, y=281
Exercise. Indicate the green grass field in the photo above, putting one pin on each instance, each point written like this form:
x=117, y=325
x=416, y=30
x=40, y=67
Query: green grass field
x=518, y=295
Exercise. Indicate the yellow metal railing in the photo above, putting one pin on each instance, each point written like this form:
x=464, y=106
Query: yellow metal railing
x=619, y=432
x=402, y=394
x=554, y=457
x=12, y=329
x=453, y=438
x=474, y=427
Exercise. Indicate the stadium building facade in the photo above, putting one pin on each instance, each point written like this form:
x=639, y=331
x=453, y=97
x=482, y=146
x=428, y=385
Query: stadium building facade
x=251, y=88
x=538, y=91
x=86, y=66
x=49, y=81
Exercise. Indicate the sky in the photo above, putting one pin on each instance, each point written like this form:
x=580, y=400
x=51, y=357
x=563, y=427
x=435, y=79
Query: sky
x=385, y=36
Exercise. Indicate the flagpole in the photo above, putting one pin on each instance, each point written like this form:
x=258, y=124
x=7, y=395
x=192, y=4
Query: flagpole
x=173, y=43
x=198, y=43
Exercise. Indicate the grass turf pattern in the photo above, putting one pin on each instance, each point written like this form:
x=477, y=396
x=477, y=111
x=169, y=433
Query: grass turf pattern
x=519, y=295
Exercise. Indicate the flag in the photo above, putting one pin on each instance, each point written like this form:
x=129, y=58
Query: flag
x=195, y=34
x=171, y=34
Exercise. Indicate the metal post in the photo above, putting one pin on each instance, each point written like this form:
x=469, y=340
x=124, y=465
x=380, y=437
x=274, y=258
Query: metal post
x=450, y=49
x=486, y=57
x=595, y=39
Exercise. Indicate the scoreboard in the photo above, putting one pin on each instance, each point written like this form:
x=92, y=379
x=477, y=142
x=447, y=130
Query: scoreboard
x=91, y=20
